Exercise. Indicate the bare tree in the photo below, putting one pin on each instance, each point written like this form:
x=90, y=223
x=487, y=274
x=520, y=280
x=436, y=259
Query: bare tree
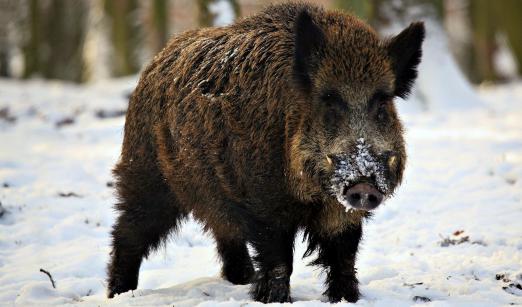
x=53, y=48
x=125, y=35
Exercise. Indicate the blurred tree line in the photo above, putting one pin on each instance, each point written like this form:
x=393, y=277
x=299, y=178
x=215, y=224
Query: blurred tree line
x=53, y=36
x=79, y=40
x=477, y=29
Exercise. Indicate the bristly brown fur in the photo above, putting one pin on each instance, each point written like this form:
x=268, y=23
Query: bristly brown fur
x=230, y=124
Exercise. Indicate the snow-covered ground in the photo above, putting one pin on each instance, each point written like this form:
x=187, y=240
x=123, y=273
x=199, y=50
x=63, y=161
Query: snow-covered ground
x=452, y=235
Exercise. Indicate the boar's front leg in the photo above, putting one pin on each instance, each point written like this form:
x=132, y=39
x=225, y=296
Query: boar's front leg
x=337, y=253
x=274, y=256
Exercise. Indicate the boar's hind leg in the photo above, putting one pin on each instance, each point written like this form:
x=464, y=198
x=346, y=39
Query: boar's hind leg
x=148, y=213
x=274, y=257
x=336, y=253
x=237, y=265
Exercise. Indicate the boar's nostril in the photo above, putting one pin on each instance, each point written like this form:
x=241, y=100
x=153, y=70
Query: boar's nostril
x=374, y=199
x=355, y=196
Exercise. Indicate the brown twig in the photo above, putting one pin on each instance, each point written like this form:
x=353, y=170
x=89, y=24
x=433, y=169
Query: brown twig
x=50, y=277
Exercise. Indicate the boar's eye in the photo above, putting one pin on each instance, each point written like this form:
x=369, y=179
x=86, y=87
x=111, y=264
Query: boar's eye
x=379, y=104
x=333, y=99
x=380, y=97
x=335, y=108
x=382, y=113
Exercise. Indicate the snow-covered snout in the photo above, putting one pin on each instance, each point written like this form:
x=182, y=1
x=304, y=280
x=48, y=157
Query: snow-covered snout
x=361, y=178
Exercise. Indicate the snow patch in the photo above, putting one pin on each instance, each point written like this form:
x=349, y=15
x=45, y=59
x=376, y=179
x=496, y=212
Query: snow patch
x=223, y=12
x=229, y=55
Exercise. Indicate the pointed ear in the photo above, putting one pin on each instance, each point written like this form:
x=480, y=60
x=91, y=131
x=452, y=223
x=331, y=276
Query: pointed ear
x=405, y=51
x=308, y=39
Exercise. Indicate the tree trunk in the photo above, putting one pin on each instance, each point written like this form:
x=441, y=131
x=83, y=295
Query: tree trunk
x=30, y=48
x=65, y=34
x=205, y=18
x=56, y=35
x=125, y=35
x=510, y=21
x=484, y=28
x=160, y=22
x=7, y=15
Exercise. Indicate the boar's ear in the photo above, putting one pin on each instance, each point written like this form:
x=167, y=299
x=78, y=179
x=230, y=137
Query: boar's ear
x=405, y=51
x=308, y=39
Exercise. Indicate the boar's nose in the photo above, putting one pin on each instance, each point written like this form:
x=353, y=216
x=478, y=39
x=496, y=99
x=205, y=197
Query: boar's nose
x=363, y=196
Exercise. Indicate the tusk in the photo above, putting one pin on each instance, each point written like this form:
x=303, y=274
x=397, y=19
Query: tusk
x=392, y=161
x=329, y=160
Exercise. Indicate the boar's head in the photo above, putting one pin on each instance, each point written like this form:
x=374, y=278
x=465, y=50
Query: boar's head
x=349, y=144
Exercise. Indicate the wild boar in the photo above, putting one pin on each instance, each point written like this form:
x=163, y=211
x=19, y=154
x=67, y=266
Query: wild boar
x=283, y=121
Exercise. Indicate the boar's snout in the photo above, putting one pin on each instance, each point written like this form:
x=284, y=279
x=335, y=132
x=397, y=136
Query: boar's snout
x=360, y=177
x=363, y=196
